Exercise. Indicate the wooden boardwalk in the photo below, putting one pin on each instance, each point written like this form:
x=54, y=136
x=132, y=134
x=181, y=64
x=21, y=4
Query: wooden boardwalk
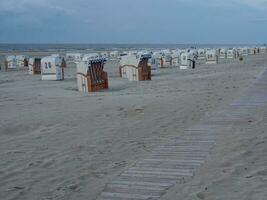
x=175, y=162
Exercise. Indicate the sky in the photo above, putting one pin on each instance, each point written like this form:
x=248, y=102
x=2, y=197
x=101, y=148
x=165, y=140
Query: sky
x=134, y=21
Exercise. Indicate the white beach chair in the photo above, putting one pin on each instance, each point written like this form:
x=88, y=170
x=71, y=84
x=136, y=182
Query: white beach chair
x=135, y=67
x=52, y=67
x=91, y=76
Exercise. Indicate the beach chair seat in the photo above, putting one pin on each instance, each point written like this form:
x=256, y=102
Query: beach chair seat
x=35, y=66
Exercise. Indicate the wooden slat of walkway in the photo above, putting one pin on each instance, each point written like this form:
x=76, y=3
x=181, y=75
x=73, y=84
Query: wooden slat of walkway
x=128, y=196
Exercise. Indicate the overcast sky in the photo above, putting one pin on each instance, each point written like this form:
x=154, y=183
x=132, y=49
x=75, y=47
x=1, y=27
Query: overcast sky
x=133, y=21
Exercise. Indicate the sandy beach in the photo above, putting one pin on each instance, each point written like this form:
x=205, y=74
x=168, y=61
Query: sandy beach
x=58, y=143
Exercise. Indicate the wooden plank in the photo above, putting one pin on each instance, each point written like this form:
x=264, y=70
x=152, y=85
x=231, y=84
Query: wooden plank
x=192, y=141
x=174, y=173
x=197, y=162
x=154, y=176
x=192, y=146
x=142, y=183
x=149, y=179
x=111, y=198
x=137, y=187
x=133, y=190
x=189, y=143
x=161, y=169
x=177, y=157
x=228, y=121
x=207, y=127
x=180, y=151
x=128, y=196
x=166, y=165
x=177, y=148
x=197, y=135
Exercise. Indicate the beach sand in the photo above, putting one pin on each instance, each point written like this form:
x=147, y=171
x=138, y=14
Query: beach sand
x=58, y=143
